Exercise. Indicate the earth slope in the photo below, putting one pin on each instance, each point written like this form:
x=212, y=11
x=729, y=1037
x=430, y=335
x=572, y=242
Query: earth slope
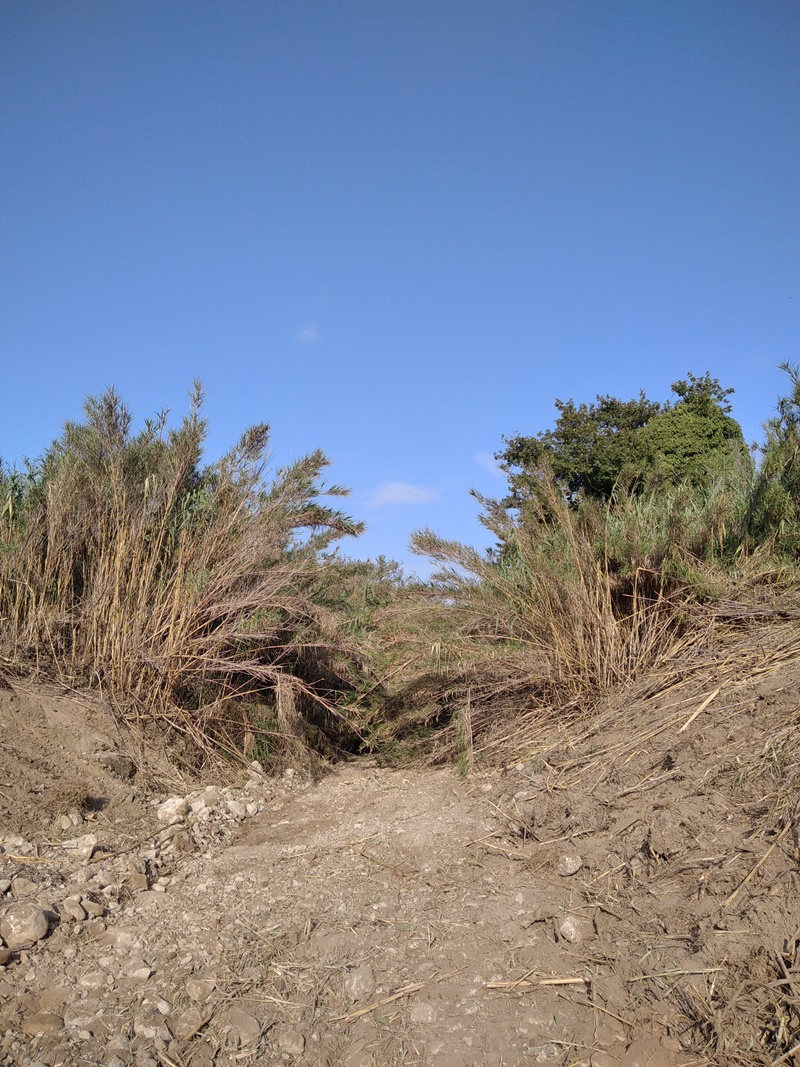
x=625, y=893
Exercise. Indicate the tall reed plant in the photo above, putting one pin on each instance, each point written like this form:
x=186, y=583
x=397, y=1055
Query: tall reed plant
x=177, y=587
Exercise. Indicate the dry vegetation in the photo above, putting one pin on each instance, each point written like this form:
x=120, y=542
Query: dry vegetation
x=209, y=603
x=185, y=593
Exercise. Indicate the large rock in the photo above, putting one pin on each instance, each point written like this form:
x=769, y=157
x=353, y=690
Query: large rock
x=23, y=924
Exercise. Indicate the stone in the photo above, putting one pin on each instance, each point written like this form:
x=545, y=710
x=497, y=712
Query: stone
x=241, y=1025
x=115, y=763
x=291, y=1042
x=92, y=980
x=23, y=887
x=173, y=810
x=157, y=1003
x=70, y=908
x=359, y=982
x=150, y=1024
x=422, y=1013
x=42, y=1022
x=186, y=1025
x=5, y=956
x=81, y=848
x=568, y=929
x=23, y=924
x=569, y=863
x=236, y=809
x=546, y=1053
x=92, y=908
x=200, y=989
x=137, y=882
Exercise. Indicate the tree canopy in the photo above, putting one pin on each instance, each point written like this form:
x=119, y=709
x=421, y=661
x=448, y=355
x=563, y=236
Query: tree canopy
x=593, y=447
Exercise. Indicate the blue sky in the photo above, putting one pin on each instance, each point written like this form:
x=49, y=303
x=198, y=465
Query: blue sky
x=394, y=230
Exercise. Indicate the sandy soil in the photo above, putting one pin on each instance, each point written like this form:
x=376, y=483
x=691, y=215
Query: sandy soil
x=625, y=899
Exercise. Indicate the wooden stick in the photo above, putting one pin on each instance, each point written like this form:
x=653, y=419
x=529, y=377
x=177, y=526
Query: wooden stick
x=521, y=983
x=404, y=992
x=759, y=865
x=599, y=1007
x=672, y=974
x=786, y=1055
x=697, y=711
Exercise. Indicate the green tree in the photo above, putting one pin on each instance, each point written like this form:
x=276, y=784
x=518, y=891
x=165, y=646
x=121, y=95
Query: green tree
x=593, y=447
x=688, y=440
x=587, y=450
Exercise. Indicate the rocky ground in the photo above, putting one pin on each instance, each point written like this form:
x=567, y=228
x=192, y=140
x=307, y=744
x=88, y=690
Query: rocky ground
x=627, y=899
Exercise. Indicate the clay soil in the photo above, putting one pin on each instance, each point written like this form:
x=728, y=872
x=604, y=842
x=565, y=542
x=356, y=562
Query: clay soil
x=622, y=893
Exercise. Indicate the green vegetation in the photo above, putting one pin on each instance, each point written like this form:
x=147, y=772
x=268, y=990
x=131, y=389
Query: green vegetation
x=213, y=599
x=594, y=448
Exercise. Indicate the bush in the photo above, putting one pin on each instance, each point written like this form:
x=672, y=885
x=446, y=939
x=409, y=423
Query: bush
x=178, y=589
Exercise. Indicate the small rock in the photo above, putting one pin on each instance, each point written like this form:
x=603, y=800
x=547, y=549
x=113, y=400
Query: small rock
x=568, y=929
x=115, y=763
x=81, y=848
x=23, y=887
x=422, y=1013
x=186, y=1025
x=241, y=1025
x=103, y=878
x=92, y=980
x=253, y=809
x=71, y=908
x=200, y=989
x=569, y=863
x=139, y=971
x=5, y=956
x=150, y=1024
x=157, y=1003
x=291, y=1042
x=5, y=885
x=42, y=1022
x=545, y=1053
x=360, y=982
x=173, y=810
x=237, y=809
x=93, y=908
x=22, y=925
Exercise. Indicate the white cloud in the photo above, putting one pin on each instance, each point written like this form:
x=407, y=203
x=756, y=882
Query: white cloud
x=489, y=463
x=309, y=335
x=391, y=494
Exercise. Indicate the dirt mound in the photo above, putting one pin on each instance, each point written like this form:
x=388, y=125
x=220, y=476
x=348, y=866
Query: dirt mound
x=628, y=896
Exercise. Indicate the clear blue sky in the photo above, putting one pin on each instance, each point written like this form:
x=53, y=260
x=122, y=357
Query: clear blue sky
x=394, y=230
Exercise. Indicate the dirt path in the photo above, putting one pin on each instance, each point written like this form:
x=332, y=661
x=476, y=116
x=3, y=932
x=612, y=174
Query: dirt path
x=362, y=920
x=617, y=910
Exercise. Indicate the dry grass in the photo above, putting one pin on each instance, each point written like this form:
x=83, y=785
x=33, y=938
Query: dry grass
x=176, y=589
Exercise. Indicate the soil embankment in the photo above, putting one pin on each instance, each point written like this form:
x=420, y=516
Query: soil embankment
x=627, y=899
